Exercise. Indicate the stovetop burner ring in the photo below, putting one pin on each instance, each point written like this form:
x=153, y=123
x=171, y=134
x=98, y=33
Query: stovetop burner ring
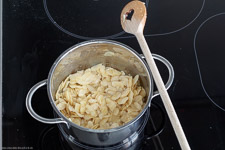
x=197, y=61
x=80, y=36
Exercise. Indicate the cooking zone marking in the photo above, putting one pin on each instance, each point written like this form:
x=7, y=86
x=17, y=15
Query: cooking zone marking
x=197, y=62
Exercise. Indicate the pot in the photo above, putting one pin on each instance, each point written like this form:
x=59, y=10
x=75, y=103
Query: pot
x=87, y=54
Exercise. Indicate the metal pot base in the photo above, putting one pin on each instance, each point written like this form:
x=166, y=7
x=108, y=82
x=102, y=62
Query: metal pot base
x=131, y=143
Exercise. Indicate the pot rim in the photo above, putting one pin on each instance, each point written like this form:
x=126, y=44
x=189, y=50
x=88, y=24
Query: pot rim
x=99, y=41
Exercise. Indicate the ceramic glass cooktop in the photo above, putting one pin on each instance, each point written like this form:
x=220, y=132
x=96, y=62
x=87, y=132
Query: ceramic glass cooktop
x=189, y=33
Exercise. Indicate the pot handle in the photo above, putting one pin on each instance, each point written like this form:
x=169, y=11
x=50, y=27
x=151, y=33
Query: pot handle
x=30, y=108
x=169, y=67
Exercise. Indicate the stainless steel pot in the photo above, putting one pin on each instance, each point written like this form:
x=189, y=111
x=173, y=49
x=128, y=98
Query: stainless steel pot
x=130, y=143
x=83, y=56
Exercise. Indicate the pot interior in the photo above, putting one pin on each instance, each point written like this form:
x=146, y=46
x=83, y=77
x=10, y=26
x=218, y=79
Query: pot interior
x=88, y=54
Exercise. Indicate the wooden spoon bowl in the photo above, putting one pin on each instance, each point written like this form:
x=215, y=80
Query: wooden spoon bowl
x=133, y=17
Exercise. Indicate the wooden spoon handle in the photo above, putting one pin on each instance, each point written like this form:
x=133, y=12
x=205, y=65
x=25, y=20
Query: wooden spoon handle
x=163, y=93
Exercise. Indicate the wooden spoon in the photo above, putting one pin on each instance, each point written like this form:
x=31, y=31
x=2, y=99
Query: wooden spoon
x=133, y=18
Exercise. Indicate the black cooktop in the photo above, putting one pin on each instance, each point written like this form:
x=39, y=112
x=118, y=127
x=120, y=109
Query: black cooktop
x=189, y=33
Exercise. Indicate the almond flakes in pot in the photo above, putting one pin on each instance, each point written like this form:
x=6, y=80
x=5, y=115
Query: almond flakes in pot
x=100, y=97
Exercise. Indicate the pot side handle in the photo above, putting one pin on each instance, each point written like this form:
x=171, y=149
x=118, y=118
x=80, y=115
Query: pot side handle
x=169, y=67
x=30, y=108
